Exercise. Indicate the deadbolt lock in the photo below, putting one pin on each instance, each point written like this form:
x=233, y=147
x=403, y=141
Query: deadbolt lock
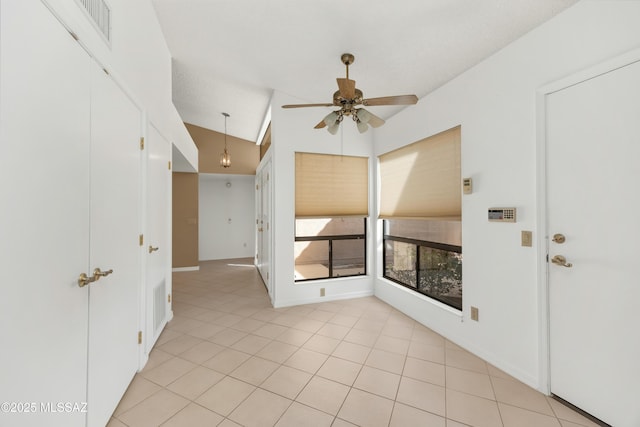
x=558, y=238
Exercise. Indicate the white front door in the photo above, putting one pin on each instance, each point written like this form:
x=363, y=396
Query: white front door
x=115, y=228
x=593, y=157
x=44, y=217
x=156, y=235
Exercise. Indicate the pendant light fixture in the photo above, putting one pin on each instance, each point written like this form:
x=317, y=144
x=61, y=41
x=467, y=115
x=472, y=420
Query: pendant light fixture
x=225, y=157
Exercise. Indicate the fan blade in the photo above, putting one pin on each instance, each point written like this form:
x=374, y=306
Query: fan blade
x=391, y=100
x=374, y=121
x=320, y=125
x=306, y=105
x=347, y=88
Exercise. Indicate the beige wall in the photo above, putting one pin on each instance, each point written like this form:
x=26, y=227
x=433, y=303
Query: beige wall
x=185, y=219
x=245, y=155
x=266, y=142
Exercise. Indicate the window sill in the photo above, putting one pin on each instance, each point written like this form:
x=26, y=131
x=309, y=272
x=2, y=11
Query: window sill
x=332, y=279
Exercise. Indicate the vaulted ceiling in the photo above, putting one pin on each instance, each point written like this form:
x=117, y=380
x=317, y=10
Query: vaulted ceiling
x=230, y=55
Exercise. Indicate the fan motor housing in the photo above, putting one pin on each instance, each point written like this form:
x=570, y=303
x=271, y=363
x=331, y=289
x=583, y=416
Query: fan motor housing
x=340, y=101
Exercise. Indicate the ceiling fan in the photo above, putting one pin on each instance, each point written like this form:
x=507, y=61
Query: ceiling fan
x=347, y=97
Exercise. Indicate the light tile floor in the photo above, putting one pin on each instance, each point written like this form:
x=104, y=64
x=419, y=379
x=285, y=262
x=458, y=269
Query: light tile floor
x=229, y=359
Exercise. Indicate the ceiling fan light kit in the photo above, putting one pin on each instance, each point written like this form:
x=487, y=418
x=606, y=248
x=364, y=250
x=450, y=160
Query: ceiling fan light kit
x=347, y=97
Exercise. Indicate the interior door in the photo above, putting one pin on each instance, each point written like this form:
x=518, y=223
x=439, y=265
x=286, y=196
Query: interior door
x=593, y=150
x=265, y=225
x=115, y=227
x=156, y=235
x=44, y=218
x=258, y=204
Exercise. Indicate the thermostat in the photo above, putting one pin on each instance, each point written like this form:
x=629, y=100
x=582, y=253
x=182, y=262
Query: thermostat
x=502, y=214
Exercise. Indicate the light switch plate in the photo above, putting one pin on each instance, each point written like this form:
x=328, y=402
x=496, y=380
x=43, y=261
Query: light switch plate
x=467, y=186
x=527, y=238
x=474, y=313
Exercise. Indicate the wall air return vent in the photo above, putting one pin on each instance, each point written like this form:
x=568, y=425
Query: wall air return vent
x=100, y=13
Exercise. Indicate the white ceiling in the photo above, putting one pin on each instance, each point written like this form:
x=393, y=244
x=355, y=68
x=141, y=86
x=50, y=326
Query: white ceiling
x=229, y=55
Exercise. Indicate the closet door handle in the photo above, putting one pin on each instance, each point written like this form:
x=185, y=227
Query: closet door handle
x=97, y=273
x=84, y=280
x=152, y=249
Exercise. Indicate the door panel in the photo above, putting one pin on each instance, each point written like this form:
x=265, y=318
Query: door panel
x=115, y=215
x=44, y=218
x=265, y=226
x=156, y=235
x=593, y=149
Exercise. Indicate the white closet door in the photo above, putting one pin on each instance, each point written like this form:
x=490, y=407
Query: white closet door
x=265, y=224
x=115, y=229
x=44, y=216
x=157, y=235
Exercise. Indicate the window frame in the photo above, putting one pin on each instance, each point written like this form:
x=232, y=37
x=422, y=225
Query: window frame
x=330, y=239
x=418, y=243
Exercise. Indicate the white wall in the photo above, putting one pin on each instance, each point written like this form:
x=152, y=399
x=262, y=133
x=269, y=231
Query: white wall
x=138, y=58
x=291, y=131
x=227, y=221
x=495, y=102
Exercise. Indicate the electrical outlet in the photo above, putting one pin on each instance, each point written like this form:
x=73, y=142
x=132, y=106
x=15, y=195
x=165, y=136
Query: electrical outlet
x=474, y=313
x=526, y=238
x=321, y=292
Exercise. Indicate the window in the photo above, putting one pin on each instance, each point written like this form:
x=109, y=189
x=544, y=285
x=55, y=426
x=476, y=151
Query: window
x=420, y=202
x=330, y=247
x=429, y=267
x=332, y=205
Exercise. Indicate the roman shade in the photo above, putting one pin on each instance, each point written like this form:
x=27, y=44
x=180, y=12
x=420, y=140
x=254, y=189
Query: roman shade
x=331, y=185
x=422, y=180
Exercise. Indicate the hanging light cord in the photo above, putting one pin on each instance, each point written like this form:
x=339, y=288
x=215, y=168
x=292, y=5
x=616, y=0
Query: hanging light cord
x=225, y=159
x=225, y=130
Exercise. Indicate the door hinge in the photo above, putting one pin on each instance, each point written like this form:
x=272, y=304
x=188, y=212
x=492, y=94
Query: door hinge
x=169, y=165
x=74, y=35
x=169, y=298
x=142, y=142
x=141, y=239
x=139, y=337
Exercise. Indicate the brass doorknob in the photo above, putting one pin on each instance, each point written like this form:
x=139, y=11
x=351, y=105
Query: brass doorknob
x=561, y=261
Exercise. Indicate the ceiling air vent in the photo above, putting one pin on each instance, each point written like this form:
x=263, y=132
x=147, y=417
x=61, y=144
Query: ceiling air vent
x=100, y=13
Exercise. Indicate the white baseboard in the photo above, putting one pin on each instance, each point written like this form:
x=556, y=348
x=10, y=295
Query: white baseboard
x=316, y=300
x=178, y=269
